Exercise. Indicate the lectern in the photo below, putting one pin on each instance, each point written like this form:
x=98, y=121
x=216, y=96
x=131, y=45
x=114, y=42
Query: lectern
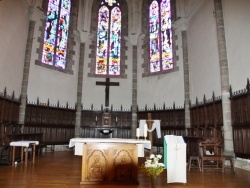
x=175, y=159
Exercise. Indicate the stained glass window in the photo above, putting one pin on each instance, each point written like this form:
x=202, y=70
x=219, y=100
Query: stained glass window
x=108, y=40
x=160, y=34
x=56, y=33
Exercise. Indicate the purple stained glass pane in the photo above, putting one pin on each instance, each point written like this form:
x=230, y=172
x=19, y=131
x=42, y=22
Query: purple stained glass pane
x=166, y=35
x=56, y=33
x=102, y=41
x=154, y=37
x=50, y=32
x=62, y=36
x=115, y=42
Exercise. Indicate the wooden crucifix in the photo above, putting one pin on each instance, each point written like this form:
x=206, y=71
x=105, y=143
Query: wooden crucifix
x=107, y=84
x=150, y=122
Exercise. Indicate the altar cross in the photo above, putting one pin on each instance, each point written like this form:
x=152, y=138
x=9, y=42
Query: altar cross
x=150, y=122
x=107, y=84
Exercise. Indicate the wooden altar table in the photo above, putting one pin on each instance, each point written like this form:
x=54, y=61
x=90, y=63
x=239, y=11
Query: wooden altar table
x=109, y=161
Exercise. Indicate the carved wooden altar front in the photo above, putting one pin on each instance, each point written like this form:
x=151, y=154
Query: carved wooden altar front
x=110, y=163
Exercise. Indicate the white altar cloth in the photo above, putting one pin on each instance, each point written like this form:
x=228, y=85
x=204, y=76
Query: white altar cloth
x=156, y=126
x=78, y=143
x=23, y=143
x=26, y=144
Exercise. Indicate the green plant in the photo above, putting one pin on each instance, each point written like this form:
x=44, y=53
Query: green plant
x=152, y=167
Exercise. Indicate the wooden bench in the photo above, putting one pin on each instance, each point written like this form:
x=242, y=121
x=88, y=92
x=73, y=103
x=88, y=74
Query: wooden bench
x=6, y=154
x=25, y=145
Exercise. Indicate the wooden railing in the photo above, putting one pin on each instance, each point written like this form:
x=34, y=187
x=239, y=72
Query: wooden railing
x=58, y=123
x=9, y=113
x=55, y=122
x=240, y=108
x=206, y=123
x=207, y=113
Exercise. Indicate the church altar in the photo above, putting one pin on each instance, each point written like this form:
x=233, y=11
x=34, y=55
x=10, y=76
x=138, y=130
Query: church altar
x=109, y=161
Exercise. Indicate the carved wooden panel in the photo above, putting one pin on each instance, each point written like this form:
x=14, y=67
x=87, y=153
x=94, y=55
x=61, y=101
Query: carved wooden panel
x=94, y=132
x=241, y=137
x=91, y=118
x=47, y=115
x=169, y=118
x=109, y=163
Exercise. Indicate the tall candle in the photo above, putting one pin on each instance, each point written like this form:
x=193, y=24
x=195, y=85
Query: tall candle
x=96, y=118
x=145, y=130
x=138, y=132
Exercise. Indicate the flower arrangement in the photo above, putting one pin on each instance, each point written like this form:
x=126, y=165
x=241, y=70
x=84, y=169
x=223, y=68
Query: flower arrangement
x=152, y=167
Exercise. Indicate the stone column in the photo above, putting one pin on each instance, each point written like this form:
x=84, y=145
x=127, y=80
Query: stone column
x=83, y=37
x=26, y=69
x=224, y=76
x=134, y=92
x=79, y=91
x=186, y=78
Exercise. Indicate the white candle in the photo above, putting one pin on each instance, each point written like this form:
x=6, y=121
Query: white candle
x=138, y=132
x=96, y=118
x=116, y=119
x=145, y=130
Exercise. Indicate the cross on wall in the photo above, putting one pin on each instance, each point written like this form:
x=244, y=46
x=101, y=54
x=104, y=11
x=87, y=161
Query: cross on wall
x=107, y=84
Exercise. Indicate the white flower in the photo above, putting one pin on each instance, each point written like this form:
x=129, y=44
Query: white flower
x=161, y=164
x=152, y=156
x=152, y=165
x=158, y=156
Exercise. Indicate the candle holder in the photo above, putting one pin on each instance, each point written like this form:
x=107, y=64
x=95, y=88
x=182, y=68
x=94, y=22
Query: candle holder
x=145, y=138
x=137, y=138
x=96, y=119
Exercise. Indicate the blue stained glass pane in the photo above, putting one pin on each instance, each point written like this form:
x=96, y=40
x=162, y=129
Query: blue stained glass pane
x=166, y=35
x=62, y=36
x=50, y=32
x=102, y=41
x=154, y=37
x=115, y=42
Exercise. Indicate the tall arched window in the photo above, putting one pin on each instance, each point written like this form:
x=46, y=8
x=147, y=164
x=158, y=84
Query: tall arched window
x=108, y=45
x=160, y=34
x=56, y=33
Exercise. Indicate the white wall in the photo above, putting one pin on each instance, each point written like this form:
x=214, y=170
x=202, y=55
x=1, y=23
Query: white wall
x=237, y=28
x=203, y=52
x=13, y=36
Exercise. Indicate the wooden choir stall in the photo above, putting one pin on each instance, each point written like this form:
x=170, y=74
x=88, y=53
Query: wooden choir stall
x=109, y=161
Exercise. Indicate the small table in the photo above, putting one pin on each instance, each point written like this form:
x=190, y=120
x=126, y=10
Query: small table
x=24, y=144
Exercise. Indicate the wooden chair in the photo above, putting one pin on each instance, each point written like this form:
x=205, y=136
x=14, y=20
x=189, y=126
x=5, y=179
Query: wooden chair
x=211, y=156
